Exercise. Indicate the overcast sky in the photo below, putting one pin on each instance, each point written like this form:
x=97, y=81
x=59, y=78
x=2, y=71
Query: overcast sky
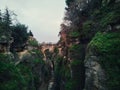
x=43, y=17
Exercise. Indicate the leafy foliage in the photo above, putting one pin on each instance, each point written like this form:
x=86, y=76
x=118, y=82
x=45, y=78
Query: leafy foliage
x=5, y=23
x=107, y=47
x=10, y=77
x=69, y=1
x=24, y=76
x=74, y=34
x=83, y=19
x=16, y=31
x=33, y=43
x=20, y=34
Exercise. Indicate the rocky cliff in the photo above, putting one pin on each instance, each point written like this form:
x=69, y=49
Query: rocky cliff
x=85, y=58
x=23, y=69
x=88, y=37
x=102, y=62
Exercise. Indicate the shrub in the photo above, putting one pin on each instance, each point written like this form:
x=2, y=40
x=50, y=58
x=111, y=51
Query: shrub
x=74, y=34
x=107, y=47
x=33, y=43
x=10, y=77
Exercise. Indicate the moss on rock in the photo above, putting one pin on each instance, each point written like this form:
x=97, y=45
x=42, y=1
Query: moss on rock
x=107, y=47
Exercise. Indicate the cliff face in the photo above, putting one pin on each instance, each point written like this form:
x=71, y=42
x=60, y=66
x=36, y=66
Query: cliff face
x=5, y=43
x=85, y=58
x=88, y=35
x=21, y=61
x=95, y=75
x=102, y=62
x=24, y=70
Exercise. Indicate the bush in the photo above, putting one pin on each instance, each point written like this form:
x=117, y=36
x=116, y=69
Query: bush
x=33, y=43
x=74, y=34
x=110, y=17
x=107, y=47
x=10, y=77
x=77, y=52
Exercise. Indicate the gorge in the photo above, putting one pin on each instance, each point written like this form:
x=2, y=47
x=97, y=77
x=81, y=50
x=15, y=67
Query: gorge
x=86, y=57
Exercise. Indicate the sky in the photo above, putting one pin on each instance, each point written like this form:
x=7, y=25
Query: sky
x=43, y=17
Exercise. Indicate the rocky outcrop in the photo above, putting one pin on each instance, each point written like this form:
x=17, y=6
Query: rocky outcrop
x=28, y=62
x=47, y=47
x=40, y=69
x=95, y=75
x=101, y=62
x=85, y=58
x=5, y=43
x=32, y=57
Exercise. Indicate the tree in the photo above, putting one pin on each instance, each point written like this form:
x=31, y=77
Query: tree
x=20, y=35
x=69, y=1
x=30, y=33
x=0, y=16
x=7, y=20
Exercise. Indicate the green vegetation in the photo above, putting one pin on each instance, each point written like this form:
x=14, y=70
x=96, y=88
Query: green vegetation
x=109, y=18
x=76, y=52
x=70, y=72
x=39, y=57
x=74, y=34
x=91, y=25
x=5, y=22
x=17, y=31
x=20, y=35
x=33, y=43
x=10, y=77
x=87, y=25
x=88, y=29
x=24, y=76
x=94, y=22
x=74, y=47
x=62, y=72
x=75, y=63
x=69, y=1
x=107, y=47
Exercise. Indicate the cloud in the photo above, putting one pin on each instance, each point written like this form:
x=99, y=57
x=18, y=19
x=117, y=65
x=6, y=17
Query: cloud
x=43, y=17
